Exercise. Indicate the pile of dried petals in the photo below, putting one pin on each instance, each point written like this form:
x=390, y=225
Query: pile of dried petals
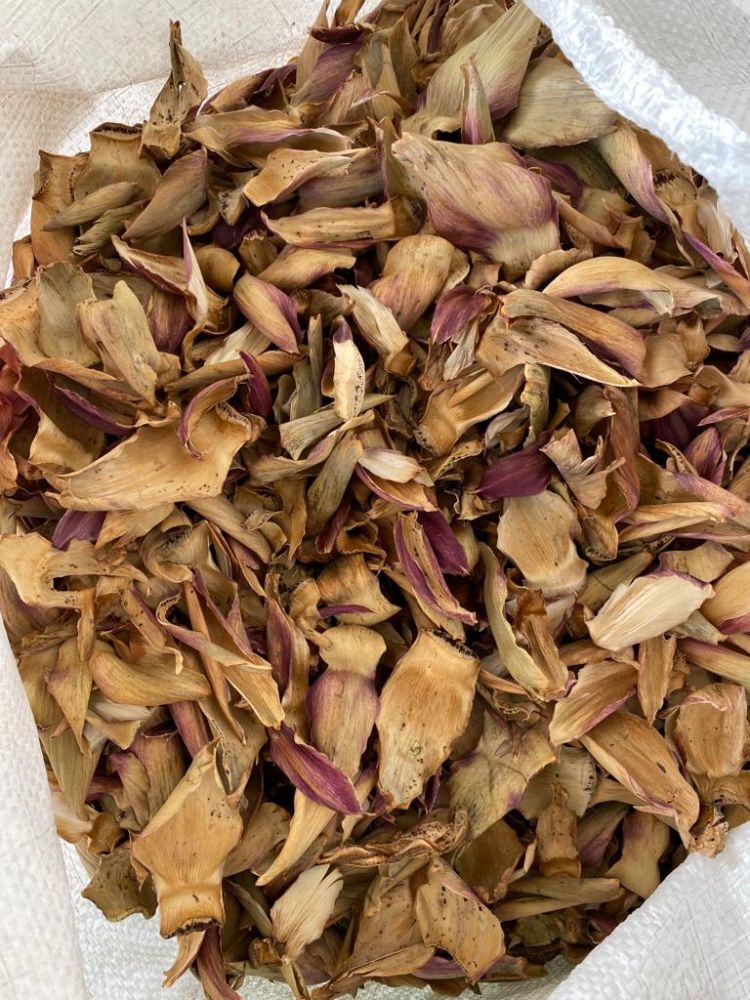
x=376, y=507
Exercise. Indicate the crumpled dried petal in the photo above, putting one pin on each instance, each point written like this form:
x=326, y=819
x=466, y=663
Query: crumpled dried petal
x=452, y=918
x=420, y=564
x=424, y=707
x=537, y=533
x=555, y=108
x=481, y=198
x=711, y=730
x=635, y=754
x=490, y=782
x=379, y=328
x=183, y=91
x=153, y=466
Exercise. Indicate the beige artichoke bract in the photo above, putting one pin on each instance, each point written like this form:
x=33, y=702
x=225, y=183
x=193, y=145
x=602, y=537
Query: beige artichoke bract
x=375, y=509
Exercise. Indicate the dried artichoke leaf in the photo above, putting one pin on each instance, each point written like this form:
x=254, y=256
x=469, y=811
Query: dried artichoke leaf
x=153, y=466
x=481, y=199
x=617, y=340
x=637, y=756
x=711, y=730
x=645, y=840
x=424, y=708
x=600, y=689
x=555, y=108
x=492, y=780
x=180, y=192
x=142, y=682
x=646, y=608
x=452, y=918
x=188, y=882
x=500, y=54
x=184, y=89
x=540, y=341
x=115, y=891
x=551, y=563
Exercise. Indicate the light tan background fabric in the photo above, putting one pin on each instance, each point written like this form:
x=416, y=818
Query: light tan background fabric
x=678, y=67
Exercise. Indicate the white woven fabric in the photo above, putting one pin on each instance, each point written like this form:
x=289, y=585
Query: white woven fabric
x=677, y=67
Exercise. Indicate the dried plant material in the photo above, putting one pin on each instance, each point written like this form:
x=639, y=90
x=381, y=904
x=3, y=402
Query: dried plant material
x=424, y=708
x=500, y=55
x=313, y=773
x=119, y=328
x=114, y=888
x=270, y=310
x=188, y=882
x=180, y=193
x=301, y=914
x=556, y=837
x=555, y=108
x=645, y=838
x=184, y=90
x=481, y=198
x=142, y=682
x=154, y=466
x=646, y=608
x=492, y=779
x=348, y=374
x=634, y=753
x=731, y=664
x=599, y=690
x=374, y=451
x=537, y=534
x=711, y=730
x=655, y=666
x=346, y=689
x=539, y=679
x=416, y=270
x=452, y=918
x=729, y=608
x=379, y=328
x=616, y=340
x=489, y=861
x=539, y=341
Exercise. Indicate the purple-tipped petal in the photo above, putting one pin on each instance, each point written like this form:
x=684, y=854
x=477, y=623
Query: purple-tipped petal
x=334, y=610
x=706, y=454
x=279, y=643
x=455, y=310
x=448, y=550
x=561, y=177
x=521, y=474
x=426, y=577
x=91, y=414
x=312, y=773
x=257, y=391
x=77, y=524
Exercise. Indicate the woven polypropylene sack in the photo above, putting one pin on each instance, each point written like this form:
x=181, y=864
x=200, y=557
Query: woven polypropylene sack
x=676, y=67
